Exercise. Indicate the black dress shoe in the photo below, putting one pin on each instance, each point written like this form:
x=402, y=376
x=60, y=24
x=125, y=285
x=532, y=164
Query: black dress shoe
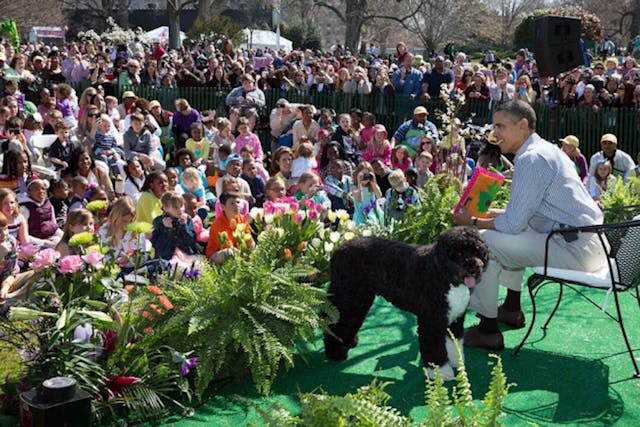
x=511, y=318
x=474, y=338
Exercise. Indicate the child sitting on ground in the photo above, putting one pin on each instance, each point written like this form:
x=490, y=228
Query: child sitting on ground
x=192, y=183
x=305, y=162
x=105, y=146
x=423, y=163
x=338, y=186
x=198, y=144
x=173, y=229
x=309, y=188
x=399, y=197
x=246, y=137
x=255, y=181
x=191, y=208
x=61, y=149
x=39, y=215
x=218, y=250
x=172, y=180
x=78, y=221
x=9, y=281
x=79, y=186
x=59, y=191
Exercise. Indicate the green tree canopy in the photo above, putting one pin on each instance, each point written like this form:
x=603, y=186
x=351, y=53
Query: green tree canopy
x=215, y=30
x=592, y=29
x=303, y=33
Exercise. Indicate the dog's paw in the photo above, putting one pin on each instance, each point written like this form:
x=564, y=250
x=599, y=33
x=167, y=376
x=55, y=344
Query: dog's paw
x=452, y=352
x=446, y=372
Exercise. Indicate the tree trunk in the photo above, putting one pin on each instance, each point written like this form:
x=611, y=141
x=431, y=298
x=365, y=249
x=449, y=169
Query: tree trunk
x=354, y=14
x=352, y=35
x=174, y=27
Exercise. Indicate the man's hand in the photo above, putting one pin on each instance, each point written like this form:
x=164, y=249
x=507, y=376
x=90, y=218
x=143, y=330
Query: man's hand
x=463, y=217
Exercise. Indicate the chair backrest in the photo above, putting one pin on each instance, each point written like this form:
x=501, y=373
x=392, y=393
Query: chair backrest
x=624, y=240
x=43, y=141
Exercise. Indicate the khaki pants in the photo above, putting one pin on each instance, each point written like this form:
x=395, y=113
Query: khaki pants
x=510, y=254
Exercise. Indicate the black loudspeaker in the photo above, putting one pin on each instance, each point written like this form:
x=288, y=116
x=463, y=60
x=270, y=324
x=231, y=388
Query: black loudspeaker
x=557, y=44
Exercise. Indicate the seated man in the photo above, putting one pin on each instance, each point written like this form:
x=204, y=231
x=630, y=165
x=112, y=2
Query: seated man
x=622, y=162
x=546, y=194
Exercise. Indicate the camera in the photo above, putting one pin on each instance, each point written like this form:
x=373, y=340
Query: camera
x=367, y=176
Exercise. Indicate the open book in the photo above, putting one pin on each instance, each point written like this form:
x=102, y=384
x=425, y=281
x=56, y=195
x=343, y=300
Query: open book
x=480, y=192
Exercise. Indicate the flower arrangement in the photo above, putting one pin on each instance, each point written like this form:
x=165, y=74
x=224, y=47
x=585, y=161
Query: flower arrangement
x=79, y=321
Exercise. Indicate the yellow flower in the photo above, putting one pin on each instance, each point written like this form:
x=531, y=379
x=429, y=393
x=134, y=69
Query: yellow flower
x=332, y=216
x=349, y=236
x=140, y=227
x=97, y=206
x=81, y=239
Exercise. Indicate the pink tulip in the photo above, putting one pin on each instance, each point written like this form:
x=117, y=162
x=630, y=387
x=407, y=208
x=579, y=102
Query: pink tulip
x=44, y=259
x=299, y=217
x=70, y=264
x=94, y=259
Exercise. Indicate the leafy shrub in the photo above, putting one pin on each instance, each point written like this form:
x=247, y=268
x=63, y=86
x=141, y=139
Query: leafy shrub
x=425, y=222
x=246, y=310
x=368, y=406
x=617, y=197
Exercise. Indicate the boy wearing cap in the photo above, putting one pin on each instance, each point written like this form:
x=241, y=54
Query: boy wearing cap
x=622, y=162
x=234, y=169
x=399, y=197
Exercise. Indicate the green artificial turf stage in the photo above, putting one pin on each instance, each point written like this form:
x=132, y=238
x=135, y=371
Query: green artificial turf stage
x=579, y=374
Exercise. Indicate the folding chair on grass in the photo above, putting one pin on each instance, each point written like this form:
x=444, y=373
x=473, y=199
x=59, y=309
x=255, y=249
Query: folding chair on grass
x=621, y=275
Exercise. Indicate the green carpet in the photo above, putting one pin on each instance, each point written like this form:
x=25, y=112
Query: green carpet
x=579, y=374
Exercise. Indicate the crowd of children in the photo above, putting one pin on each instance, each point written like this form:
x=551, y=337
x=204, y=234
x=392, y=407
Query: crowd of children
x=191, y=195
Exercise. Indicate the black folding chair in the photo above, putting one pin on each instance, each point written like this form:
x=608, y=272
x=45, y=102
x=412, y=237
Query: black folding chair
x=621, y=243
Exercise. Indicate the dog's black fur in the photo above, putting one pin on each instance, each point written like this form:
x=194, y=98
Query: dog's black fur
x=414, y=278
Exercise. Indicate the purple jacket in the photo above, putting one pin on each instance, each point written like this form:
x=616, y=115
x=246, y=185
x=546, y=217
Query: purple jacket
x=182, y=123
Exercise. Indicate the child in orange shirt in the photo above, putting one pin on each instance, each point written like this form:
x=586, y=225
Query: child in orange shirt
x=217, y=252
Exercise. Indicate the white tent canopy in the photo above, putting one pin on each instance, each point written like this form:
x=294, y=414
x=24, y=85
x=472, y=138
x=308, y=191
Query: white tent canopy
x=160, y=34
x=262, y=39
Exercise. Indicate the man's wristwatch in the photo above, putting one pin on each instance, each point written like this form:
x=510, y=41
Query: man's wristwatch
x=474, y=222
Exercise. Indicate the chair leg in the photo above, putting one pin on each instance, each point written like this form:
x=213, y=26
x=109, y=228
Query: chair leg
x=636, y=372
x=553, y=312
x=532, y=284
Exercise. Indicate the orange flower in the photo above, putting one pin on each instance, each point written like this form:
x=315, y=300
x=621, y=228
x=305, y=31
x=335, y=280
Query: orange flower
x=154, y=289
x=165, y=302
x=160, y=312
x=129, y=288
x=153, y=306
x=146, y=314
x=287, y=253
x=301, y=246
x=233, y=224
x=148, y=330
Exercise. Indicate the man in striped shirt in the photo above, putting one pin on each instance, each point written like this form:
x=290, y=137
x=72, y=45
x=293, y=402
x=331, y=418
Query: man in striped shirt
x=546, y=194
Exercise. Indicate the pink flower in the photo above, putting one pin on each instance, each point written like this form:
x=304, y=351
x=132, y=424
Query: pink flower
x=28, y=251
x=299, y=217
x=94, y=259
x=267, y=207
x=70, y=264
x=44, y=259
x=312, y=214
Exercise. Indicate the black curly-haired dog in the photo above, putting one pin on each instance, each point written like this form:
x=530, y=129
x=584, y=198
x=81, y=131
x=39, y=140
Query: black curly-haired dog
x=431, y=281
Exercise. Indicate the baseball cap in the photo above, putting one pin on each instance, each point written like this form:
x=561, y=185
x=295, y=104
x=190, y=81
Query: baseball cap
x=571, y=140
x=235, y=157
x=420, y=110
